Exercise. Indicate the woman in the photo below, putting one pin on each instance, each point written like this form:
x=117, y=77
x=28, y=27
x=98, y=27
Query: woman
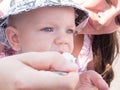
x=104, y=19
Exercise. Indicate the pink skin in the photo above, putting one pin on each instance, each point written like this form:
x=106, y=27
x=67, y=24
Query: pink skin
x=102, y=16
x=45, y=32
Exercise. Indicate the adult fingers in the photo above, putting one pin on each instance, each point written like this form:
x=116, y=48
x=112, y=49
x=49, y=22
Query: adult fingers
x=18, y=76
x=46, y=61
x=92, y=78
x=45, y=80
x=98, y=81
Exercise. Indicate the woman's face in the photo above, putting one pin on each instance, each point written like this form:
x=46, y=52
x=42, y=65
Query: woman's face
x=104, y=16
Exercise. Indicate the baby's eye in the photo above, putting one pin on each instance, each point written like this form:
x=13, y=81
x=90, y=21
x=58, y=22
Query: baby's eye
x=47, y=29
x=70, y=31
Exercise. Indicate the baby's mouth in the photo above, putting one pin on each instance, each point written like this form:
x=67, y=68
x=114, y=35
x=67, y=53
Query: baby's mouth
x=61, y=51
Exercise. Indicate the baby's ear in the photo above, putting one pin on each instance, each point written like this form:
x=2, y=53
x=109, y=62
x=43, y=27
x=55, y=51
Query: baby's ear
x=12, y=37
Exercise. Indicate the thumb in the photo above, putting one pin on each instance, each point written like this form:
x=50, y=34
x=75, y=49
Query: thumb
x=46, y=61
x=97, y=80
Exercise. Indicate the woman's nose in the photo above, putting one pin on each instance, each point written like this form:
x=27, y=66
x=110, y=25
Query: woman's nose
x=106, y=17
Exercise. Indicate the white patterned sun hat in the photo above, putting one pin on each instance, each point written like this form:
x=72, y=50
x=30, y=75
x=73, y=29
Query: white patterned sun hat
x=12, y=7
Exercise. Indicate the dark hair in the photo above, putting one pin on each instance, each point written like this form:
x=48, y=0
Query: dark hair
x=105, y=49
x=80, y=16
x=117, y=19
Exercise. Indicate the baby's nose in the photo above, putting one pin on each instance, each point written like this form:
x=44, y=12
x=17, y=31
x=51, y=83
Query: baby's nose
x=61, y=38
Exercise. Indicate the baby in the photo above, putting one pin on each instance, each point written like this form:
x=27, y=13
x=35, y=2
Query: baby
x=47, y=25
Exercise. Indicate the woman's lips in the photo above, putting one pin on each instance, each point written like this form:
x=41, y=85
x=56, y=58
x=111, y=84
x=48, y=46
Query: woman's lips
x=90, y=24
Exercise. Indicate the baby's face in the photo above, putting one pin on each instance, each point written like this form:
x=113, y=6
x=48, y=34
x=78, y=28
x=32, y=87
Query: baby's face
x=46, y=29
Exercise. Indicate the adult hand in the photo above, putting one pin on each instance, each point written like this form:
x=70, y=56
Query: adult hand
x=91, y=80
x=25, y=72
x=29, y=71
